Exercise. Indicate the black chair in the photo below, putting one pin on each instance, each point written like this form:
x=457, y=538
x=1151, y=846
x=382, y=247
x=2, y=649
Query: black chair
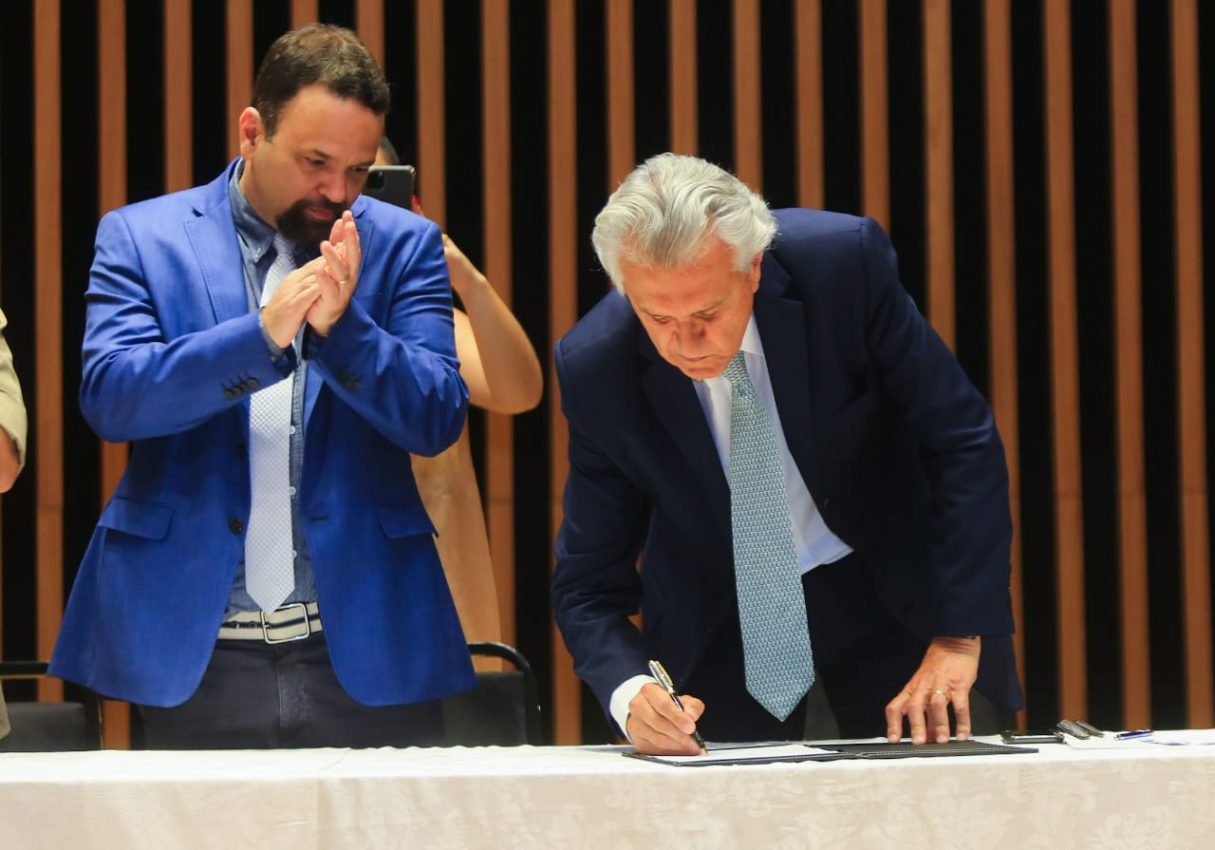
x=49, y=726
x=504, y=708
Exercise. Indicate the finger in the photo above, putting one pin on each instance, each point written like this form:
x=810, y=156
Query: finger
x=895, y=711
x=917, y=706
x=961, y=713
x=336, y=267
x=938, y=713
x=337, y=231
x=354, y=247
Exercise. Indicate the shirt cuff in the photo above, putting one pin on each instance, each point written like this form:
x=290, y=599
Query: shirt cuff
x=622, y=696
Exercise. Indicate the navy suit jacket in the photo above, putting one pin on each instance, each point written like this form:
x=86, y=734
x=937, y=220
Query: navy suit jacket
x=896, y=446
x=171, y=354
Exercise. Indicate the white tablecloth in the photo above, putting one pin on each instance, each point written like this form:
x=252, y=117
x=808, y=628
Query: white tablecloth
x=580, y=798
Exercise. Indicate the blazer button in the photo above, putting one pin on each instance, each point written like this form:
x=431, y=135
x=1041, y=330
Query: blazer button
x=230, y=393
x=235, y=525
x=254, y=383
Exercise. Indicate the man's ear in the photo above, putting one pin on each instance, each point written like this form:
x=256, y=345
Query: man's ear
x=250, y=130
x=755, y=271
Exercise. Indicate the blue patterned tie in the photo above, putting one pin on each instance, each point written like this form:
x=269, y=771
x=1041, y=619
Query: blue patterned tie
x=771, y=602
x=269, y=547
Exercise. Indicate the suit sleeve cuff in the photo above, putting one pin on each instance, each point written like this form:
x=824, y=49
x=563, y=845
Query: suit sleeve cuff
x=622, y=696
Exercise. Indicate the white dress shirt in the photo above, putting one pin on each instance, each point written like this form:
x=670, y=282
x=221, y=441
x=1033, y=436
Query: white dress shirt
x=814, y=542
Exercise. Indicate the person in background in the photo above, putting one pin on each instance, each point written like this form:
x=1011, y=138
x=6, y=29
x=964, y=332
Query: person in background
x=503, y=375
x=814, y=487
x=274, y=347
x=13, y=424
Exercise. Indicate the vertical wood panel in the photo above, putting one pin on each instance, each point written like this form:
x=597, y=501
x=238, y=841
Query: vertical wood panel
x=1191, y=397
x=938, y=169
x=1128, y=347
x=1061, y=239
x=500, y=476
x=112, y=193
x=179, y=126
x=563, y=309
x=48, y=344
x=875, y=136
x=239, y=55
x=369, y=18
x=748, y=119
x=1002, y=274
x=684, y=131
x=621, y=127
x=808, y=44
x=303, y=12
x=431, y=142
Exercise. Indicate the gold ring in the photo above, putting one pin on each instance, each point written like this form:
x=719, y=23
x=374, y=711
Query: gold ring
x=939, y=692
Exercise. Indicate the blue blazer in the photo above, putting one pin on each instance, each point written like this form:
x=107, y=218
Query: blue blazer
x=896, y=446
x=171, y=353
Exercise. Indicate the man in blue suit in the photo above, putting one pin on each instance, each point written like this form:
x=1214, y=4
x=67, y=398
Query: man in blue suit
x=274, y=347
x=885, y=536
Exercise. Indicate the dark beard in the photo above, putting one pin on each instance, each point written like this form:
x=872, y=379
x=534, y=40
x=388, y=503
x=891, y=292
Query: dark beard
x=295, y=224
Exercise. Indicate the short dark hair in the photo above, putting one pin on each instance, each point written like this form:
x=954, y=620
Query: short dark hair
x=318, y=54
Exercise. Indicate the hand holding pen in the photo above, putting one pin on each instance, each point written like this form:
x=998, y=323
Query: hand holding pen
x=661, y=722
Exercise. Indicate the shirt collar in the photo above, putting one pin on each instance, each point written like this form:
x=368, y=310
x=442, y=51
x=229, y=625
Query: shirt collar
x=750, y=340
x=255, y=233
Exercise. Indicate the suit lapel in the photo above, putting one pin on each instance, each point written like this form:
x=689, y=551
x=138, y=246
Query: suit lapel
x=212, y=235
x=674, y=400
x=782, y=329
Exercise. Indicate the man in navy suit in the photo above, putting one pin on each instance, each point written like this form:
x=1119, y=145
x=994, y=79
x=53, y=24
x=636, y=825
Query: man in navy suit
x=889, y=464
x=277, y=276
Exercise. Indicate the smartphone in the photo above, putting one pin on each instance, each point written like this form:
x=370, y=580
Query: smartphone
x=392, y=184
x=1045, y=736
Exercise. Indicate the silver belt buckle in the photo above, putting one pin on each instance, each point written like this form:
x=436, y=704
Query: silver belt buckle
x=307, y=624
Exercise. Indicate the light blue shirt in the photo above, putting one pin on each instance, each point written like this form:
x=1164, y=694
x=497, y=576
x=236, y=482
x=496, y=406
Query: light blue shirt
x=257, y=248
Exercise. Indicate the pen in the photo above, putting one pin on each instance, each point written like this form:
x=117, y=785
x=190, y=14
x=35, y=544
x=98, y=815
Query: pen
x=660, y=673
x=1134, y=733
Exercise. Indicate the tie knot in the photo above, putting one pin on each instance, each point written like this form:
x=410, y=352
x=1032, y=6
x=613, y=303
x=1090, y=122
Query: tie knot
x=736, y=371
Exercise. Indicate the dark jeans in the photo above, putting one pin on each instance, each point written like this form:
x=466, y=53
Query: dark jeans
x=862, y=658
x=255, y=695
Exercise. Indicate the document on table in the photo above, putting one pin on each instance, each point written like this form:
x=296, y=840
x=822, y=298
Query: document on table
x=764, y=754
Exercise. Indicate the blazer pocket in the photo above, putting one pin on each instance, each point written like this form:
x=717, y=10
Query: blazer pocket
x=140, y=519
x=404, y=522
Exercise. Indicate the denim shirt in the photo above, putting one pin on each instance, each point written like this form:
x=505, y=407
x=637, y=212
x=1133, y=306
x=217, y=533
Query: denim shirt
x=257, y=248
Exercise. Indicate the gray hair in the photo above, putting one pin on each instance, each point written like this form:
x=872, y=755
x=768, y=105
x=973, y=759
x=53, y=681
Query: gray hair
x=667, y=209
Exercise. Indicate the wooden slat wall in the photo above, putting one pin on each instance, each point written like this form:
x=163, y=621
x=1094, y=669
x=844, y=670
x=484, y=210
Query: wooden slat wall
x=1061, y=239
x=239, y=56
x=1015, y=383
x=875, y=137
x=1191, y=395
x=500, y=472
x=563, y=308
x=1132, y=500
x=938, y=168
x=685, y=134
x=303, y=12
x=621, y=127
x=48, y=318
x=179, y=125
x=1002, y=272
x=432, y=119
x=112, y=193
x=748, y=142
x=808, y=93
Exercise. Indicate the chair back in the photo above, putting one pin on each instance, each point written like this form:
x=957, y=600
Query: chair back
x=504, y=708
x=50, y=726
